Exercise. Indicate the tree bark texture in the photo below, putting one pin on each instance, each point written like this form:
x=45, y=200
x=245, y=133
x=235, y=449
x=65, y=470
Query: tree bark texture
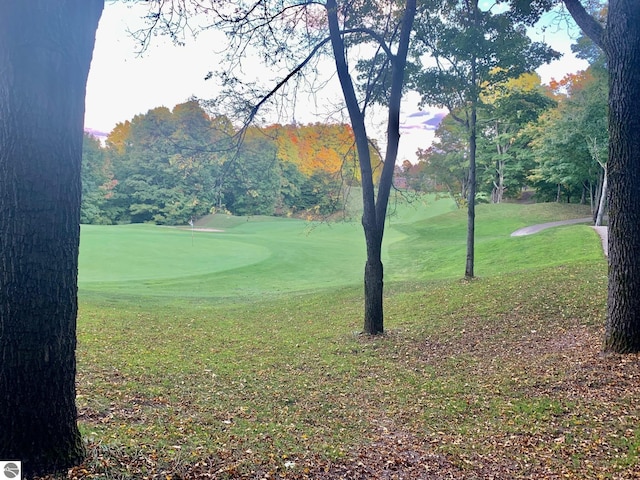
x=45, y=54
x=373, y=315
x=622, y=45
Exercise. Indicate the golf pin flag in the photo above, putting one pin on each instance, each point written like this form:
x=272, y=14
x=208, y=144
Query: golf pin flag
x=10, y=470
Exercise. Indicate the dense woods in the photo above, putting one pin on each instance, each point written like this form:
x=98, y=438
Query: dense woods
x=171, y=166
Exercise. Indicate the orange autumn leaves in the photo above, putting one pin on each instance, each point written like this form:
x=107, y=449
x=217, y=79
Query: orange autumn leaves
x=316, y=147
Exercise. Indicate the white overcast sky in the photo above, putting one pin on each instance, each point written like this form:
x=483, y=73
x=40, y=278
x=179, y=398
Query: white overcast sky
x=123, y=84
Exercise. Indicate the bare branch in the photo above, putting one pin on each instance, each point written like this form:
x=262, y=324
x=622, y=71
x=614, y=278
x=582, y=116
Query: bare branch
x=373, y=34
x=285, y=80
x=589, y=25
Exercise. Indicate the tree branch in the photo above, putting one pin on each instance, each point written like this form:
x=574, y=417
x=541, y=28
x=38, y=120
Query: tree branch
x=373, y=34
x=315, y=50
x=586, y=22
x=284, y=81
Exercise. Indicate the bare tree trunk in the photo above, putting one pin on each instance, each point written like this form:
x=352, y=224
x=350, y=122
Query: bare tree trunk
x=603, y=198
x=374, y=211
x=500, y=185
x=592, y=200
x=45, y=53
x=471, y=206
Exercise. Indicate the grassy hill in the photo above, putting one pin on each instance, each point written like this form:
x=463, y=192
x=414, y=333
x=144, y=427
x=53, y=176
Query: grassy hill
x=236, y=354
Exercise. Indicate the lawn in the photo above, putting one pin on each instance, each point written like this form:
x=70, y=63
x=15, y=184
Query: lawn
x=237, y=354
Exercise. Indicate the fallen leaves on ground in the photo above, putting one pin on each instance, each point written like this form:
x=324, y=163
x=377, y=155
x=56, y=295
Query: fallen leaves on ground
x=521, y=391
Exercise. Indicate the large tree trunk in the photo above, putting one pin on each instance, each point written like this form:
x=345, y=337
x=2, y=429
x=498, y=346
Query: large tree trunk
x=622, y=44
x=45, y=53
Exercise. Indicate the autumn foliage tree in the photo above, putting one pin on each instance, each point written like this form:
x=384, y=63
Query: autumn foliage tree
x=168, y=166
x=326, y=147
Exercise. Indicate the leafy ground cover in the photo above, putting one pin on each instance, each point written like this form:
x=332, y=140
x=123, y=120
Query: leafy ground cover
x=501, y=377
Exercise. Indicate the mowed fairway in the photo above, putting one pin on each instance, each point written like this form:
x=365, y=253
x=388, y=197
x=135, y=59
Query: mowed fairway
x=230, y=257
x=254, y=257
x=237, y=354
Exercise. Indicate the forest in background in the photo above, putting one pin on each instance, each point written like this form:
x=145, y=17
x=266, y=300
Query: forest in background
x=171, y=166
x=550, y=140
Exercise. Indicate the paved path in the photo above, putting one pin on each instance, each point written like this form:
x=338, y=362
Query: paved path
x=604, y=236
x=543, y=226
x=602, y=231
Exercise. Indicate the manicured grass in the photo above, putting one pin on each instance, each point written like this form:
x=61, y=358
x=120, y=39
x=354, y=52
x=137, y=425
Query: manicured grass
x=249, y=258
x=256, y=368
x=267, y=256
x=437, y=250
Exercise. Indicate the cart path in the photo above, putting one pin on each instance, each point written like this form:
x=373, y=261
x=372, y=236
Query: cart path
x=602, y=231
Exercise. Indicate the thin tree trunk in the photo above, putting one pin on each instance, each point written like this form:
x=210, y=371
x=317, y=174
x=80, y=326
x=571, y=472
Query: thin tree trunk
x=500, y=181
x=373, y=282
x=592, y=200
x=45, y=53
x=471, y=205
x=603, y=198
x=374, y=212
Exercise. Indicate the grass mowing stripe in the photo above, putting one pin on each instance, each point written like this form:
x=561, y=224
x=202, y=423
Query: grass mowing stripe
x=142, y=252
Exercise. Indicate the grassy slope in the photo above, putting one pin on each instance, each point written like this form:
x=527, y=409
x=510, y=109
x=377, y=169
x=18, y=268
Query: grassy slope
x=438, y=249
x=240, y=369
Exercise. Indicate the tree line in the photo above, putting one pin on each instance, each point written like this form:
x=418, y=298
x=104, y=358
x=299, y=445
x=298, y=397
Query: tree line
x=168, y=166
x=533, y=139
x=172, y=166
